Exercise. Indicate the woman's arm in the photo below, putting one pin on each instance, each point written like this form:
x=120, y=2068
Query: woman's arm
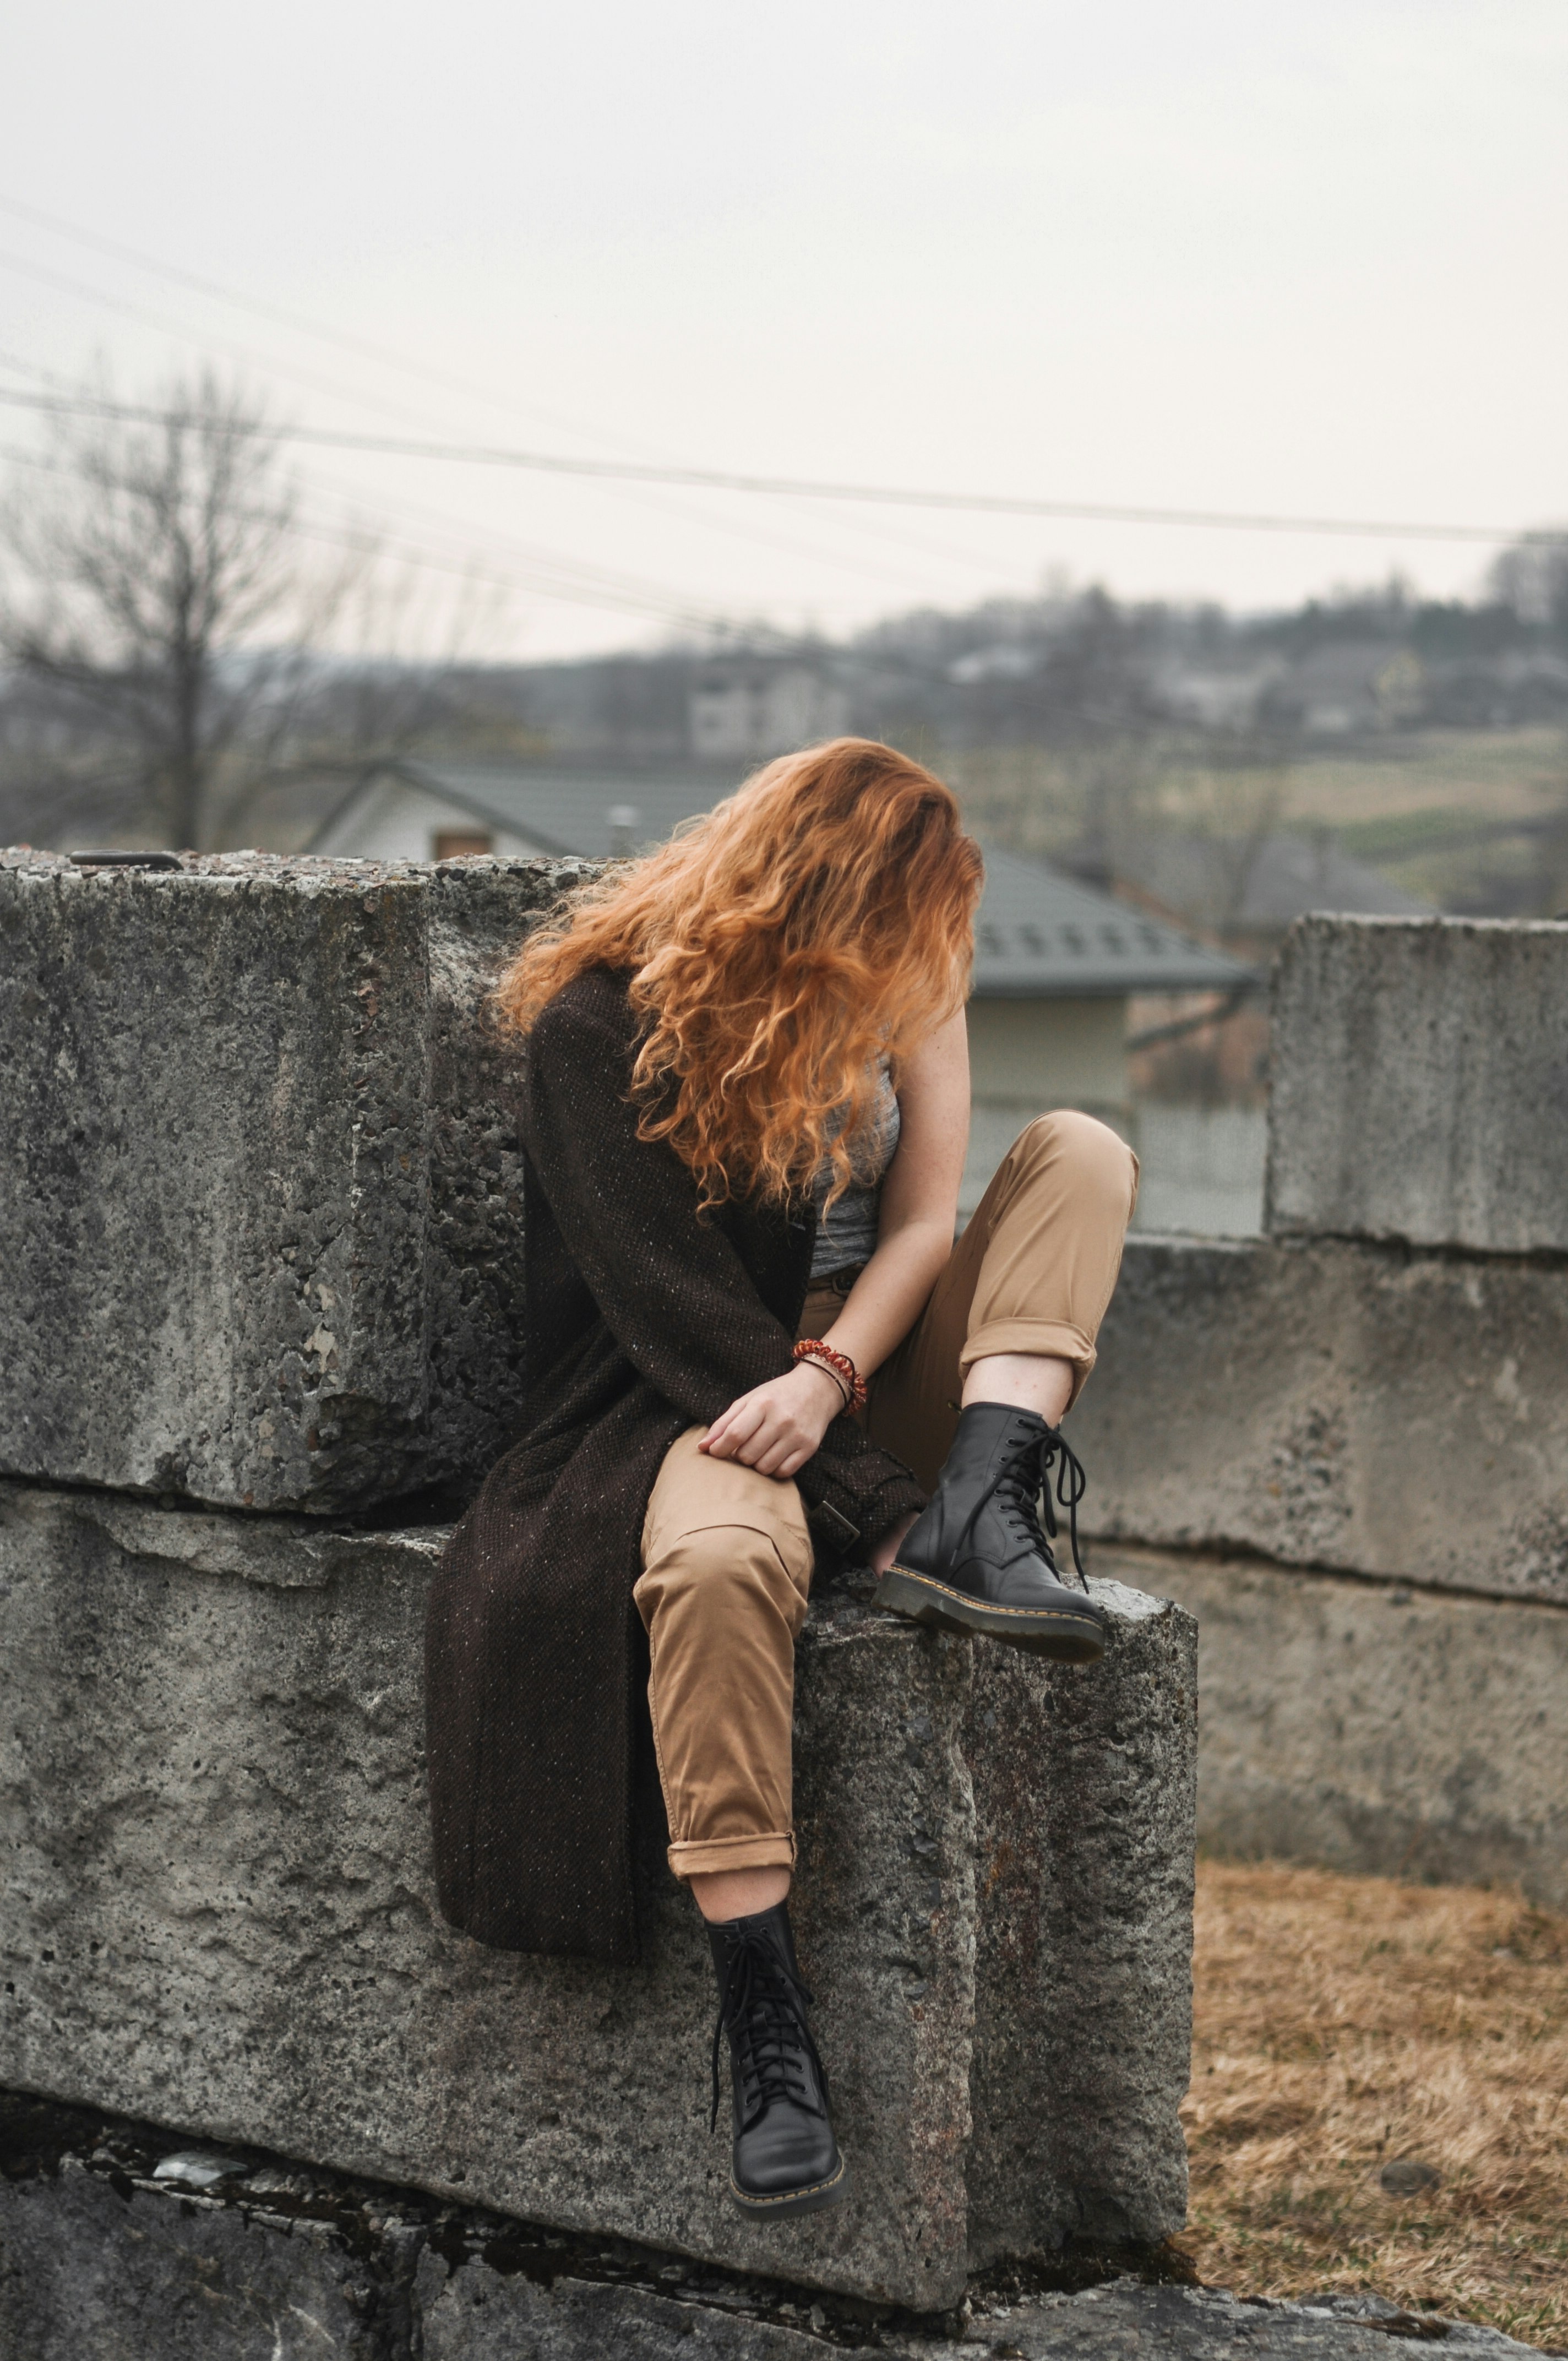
x=919, y=1201
x=777, y=1426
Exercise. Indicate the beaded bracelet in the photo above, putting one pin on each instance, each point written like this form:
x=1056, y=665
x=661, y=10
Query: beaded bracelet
x=839, y=1365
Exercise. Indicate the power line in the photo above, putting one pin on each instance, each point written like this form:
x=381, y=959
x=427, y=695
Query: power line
x=542, y=572
x=277, y=314
x=478, y=454
x=205, y=343
x=547, y=572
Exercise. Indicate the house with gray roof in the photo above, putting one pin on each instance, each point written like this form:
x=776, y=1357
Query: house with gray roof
x=1055, y=962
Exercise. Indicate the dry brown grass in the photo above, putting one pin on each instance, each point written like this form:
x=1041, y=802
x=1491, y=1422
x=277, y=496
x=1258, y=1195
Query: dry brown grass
x=1343, y=2022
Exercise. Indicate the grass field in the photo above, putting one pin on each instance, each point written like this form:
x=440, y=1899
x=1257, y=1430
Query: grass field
x=1431, y=809
x=1342, y=2024
x=1490, y=773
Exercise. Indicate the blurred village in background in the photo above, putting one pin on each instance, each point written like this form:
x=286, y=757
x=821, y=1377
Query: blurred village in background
x=1161, y=789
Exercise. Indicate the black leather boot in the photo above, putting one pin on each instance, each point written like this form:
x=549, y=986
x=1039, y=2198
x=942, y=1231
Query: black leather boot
x=787, y=2159
x=977, y=1560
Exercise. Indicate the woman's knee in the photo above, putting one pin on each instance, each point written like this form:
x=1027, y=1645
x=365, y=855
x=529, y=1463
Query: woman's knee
x=1072, y=1143
x=721, y=1575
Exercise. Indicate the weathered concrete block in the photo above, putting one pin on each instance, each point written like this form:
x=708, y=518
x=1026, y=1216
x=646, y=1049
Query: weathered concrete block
x=1376, y=1728
x=1421, y=1082
x=100, y=2258
x=88, y=2273
x=259, y=1180
x=221, y=1912
x=1355, y=1408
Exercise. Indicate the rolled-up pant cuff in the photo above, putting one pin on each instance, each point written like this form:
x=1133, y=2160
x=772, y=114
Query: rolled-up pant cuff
x=1057, y=1339
x=732, y=1853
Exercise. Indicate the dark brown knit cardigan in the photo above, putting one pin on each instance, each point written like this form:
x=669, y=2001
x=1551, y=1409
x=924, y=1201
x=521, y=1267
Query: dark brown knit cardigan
x=641, y=1319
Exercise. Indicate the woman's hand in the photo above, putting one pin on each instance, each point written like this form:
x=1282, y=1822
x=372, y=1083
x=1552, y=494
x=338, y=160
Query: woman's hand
x=776, y=1427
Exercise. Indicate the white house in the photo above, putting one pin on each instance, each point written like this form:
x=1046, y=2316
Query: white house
x=1054, y=961
x=751, y=707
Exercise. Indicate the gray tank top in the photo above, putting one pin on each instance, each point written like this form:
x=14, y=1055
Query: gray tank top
x=847, y=1233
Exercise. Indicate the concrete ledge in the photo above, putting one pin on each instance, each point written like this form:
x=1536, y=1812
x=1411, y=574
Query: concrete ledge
x=1348, y=1407
x=1421, y=1082
x=220, y=1912
x=1374, y=1728
x=99, y=2257
x=259, y=1180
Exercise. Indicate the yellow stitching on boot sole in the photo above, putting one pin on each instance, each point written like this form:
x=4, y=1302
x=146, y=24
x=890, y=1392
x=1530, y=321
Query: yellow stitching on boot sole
x=967, y=1598
x=788, y=2196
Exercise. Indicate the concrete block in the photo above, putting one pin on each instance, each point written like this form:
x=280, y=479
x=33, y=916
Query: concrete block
x=1357, y=1408
x=221, y=1915
x=1421, y=1082
x=258, y=1176
x=478, y=2317
x=99, y=2258
x=1373, y=1728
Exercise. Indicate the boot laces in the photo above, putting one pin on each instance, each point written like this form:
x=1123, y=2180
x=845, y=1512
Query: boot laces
x=1024, y=1493
x=763, y=2012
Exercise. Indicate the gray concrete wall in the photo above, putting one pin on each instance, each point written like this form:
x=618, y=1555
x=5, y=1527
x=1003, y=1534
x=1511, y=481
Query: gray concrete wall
x=1372, y=1727
x=258, y=1176
x=1421, y=1082
x=1354, y=1408
x=220, y=1913
x=1379, y=1390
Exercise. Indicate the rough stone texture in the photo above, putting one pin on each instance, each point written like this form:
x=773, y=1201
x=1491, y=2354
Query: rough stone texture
x=1355, y=1408
x=1380, y=1729
x=258, y=1180
x=480, y=2317
x=98, y=2257
x=89, y=2275
x=1421, y=1082
x=221, y=1915
x=1083, y=1859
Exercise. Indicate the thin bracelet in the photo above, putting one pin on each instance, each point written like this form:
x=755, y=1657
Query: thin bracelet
x=817, y=1361
x=812, y=1348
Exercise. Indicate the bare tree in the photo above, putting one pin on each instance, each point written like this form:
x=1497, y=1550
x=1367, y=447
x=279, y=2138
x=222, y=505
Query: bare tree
x=1532, y=579
x=158, y=586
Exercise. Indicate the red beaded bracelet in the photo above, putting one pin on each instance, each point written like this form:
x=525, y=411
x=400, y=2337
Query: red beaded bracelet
x=812, y=1348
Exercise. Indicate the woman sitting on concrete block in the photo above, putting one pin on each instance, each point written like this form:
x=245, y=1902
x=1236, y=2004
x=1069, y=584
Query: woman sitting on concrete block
x=744, y=1099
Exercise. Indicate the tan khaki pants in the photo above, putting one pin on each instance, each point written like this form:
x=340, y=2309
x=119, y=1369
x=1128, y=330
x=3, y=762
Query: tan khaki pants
x=726, y=1554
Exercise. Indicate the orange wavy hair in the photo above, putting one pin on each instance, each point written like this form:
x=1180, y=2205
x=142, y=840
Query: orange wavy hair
x=821, y=919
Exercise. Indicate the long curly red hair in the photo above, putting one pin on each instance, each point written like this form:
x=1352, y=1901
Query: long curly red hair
x=819, y=919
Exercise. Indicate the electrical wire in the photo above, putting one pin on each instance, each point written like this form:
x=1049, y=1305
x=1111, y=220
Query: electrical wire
x=478, y=454
x=733, y=527
x=544, y=573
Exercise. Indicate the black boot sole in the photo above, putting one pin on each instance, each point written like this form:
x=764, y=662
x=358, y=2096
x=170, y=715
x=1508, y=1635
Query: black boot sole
x=1064, y=1634
x=813, y=2200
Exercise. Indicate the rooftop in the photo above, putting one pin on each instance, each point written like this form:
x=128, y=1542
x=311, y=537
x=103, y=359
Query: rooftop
x=1039, y=935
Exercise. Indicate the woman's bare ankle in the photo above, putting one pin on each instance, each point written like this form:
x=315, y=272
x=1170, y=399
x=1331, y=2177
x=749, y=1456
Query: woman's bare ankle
x=738, y=1893
x=1036, y=1381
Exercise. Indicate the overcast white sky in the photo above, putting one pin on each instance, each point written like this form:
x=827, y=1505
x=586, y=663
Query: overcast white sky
x=1225, y=255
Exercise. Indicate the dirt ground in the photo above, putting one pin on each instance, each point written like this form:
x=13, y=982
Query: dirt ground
x=1345, y=2025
